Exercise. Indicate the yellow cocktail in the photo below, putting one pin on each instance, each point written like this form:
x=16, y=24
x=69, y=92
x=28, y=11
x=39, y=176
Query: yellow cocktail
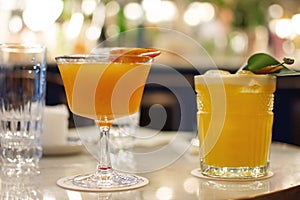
x=235, y=121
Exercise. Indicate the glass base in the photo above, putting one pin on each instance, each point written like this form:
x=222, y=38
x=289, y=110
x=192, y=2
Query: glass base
x=106, y=179
x=234, y=172
x=12, y=170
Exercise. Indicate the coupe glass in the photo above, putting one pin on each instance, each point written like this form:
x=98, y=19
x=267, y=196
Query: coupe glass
x=103, y=87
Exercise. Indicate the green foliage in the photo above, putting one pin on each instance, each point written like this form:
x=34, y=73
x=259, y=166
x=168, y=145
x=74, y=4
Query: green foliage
x=247, y=13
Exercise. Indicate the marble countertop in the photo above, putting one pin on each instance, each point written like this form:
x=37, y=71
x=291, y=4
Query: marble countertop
x=169, y=179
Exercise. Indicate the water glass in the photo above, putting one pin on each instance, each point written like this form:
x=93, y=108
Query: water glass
x=123, y=131
x=17, y=188
x=22, y=99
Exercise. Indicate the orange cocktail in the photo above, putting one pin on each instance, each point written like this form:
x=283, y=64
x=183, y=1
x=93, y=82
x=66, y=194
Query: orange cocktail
x=235, y=129
x=102, y=87
x=117, y=92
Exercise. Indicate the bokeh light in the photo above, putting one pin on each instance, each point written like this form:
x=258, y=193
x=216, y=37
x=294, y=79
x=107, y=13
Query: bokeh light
x=284, y=29
x=288, y=47
x=150, y=5
x=112, y=8
x=159, y=11
x=39, y=15
x=164, y=193
x=59, y=21
x=93, y=33
x=296, y=23
x=275, y=11
x=74, y=26
x=197, y=13
x=239, y=42
x=191, y=185
x=112, y=30
x=15, y=24
x=88, y=6
x=133, y=11
x=272, y=25
x=152, y=9
x=169, y=10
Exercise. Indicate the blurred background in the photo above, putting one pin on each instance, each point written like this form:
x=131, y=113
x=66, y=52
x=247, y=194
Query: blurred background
x=224, y=27
x=228, y=30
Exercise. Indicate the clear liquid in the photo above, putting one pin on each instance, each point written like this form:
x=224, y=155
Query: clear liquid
x=20, y=141
x=22, y=91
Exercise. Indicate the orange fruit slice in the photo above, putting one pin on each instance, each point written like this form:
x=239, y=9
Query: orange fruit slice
x=268, y=69
x=133, y=55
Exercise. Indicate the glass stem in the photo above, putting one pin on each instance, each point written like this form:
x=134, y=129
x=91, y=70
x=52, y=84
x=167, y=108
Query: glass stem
x=104, y=157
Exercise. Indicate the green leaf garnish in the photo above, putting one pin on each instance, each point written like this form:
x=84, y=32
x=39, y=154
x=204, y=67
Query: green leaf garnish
x=262, y=63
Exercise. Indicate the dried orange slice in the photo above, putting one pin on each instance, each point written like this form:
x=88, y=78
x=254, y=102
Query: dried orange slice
x=129, y=58
x=268, y=69
x=133, y=55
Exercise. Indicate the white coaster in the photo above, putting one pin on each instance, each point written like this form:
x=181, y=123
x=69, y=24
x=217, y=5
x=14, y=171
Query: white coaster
x=67, y=183
x=197, y=173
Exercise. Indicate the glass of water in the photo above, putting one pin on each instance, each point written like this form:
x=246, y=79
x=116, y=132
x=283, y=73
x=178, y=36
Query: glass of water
x=22, y=98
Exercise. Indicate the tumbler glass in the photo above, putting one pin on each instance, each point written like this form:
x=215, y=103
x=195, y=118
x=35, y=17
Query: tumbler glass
x=22, y=98
x=235, y=121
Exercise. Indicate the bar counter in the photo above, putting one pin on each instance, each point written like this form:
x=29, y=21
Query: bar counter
x=173, y=181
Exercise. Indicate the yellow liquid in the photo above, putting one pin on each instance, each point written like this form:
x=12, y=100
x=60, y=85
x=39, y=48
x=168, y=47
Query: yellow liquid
x=104, y=91
x=245, y=138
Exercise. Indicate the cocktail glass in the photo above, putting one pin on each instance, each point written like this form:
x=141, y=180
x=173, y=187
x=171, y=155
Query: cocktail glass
x=235, y=121
x=104, y=87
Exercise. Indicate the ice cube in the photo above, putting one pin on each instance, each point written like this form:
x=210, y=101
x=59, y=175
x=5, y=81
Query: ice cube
x=251, y=89
x=254, y=83
x=244, y=72
x=215, y=72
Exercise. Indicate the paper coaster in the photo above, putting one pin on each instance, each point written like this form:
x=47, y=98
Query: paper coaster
x=197, y=173
x=67, y=183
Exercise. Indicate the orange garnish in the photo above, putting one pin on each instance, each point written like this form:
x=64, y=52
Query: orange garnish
x=129, y=58
x=133, y=55
x=268, y=69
